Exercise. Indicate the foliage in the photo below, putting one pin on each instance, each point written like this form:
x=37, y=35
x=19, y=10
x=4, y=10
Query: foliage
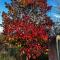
x=27, y=26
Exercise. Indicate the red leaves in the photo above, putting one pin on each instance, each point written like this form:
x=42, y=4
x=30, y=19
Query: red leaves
x=26, y=30
x=33, y=50
x=30, y=32
x=42, y=33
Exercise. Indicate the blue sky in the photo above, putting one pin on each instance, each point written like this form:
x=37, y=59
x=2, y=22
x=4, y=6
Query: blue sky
x=3, y=8
x=54, y=13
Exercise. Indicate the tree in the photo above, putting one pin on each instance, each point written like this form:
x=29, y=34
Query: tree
x=26, y=25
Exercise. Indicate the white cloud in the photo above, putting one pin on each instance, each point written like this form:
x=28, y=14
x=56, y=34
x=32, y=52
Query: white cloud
x=57, y=15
